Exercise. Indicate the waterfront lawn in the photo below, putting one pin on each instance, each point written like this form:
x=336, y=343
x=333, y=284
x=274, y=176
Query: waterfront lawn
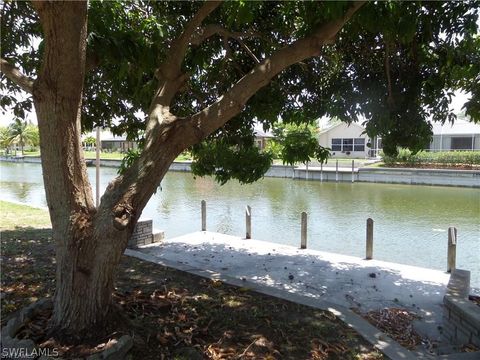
x=119, y=156
x=175, y=315
x=104, y=155
x=15, y=216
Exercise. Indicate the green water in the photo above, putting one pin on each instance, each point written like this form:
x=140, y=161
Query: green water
x=410, y=227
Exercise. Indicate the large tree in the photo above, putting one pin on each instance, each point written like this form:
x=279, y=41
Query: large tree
x=202, y=74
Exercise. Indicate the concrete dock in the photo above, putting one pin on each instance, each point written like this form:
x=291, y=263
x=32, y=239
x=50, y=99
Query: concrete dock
x=331, y=278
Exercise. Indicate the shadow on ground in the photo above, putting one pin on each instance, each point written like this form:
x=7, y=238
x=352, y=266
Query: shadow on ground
x=178, y=315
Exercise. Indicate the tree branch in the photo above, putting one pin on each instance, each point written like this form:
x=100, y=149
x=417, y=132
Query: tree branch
x=169, y=74
x=390, y=99
x=214, y=29
x=179, y=46
x=232, y=102
x=167, y=135
x=16, y=76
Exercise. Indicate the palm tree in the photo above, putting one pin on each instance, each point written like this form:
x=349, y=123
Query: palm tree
x=5, y=140
x=23, y=133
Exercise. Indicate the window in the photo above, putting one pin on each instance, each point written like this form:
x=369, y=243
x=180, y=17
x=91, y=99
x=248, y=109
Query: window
x=359, y=144
x=348, y=144
x=336, y=144
x=461, y=143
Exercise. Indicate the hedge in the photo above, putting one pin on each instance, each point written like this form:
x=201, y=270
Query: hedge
x=442, y=157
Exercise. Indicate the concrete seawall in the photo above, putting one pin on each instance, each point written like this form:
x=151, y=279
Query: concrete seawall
x=466, y=178
x=443, y=177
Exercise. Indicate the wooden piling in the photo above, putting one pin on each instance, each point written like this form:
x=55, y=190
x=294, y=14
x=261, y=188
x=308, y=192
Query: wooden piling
x=452, y=249
x=369, y=247
x=303, y=241
x=248, y=222
x=204, y=215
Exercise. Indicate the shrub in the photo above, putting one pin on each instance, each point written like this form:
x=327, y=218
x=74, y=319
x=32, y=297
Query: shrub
x=274, y=148
x=405, y=156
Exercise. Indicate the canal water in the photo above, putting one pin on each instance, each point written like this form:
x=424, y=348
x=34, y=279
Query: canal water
x=410, y=226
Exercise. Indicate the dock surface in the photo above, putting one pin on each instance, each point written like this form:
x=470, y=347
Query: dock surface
x=340, y=279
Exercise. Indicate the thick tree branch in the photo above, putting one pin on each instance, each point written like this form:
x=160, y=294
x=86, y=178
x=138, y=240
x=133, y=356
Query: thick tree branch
x=176, y=54
x=16, y=76
x=170, y=75
x=168, y=135
x=232, y=102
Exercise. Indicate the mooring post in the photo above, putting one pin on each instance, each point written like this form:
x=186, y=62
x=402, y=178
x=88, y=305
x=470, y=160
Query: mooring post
x=204, y=215
x=336, y=171
x=248, y=222
x=321, y=172
x=452, y=249
x=303, y=241
x=369, y=248
x=306, y=171
x=353, y=171
x=98, y=146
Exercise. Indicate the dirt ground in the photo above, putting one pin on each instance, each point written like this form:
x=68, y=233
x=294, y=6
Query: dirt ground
x=175, y=315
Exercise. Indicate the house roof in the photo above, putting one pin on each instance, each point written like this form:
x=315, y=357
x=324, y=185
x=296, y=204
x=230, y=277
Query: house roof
x=105, y=135
x=331, y=127
x=460, y=127
x=261, y=133
x=115, y=138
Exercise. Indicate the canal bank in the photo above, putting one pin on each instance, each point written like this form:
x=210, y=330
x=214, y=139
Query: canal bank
x=408, y=176
x=439, y=177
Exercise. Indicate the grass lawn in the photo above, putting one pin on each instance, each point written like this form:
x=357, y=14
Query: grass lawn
x=103, y=155
x=20, y=216
x=330, y=163
x=175, y=315
x=377, y=164
x=106, y=155
x=32, y=153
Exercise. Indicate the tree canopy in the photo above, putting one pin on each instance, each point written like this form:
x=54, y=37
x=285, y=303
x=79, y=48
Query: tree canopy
x=394, y=65
x=198, y=76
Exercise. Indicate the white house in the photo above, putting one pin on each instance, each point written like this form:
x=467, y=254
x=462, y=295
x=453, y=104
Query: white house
x=262, y=138
x=462, y=135
x=346, y=140
x=351, y=141
x=111, y=142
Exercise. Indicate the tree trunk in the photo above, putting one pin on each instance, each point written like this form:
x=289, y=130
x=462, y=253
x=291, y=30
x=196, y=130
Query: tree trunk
x=89, y=241
x=88, y=245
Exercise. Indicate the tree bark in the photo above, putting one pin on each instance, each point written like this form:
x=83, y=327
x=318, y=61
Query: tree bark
x=88, y=246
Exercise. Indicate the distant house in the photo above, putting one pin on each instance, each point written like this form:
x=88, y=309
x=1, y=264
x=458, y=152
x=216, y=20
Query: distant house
x=262, y=138
x=462, y=135
x=347, y=140
x=111, y=142
x=351, y=141
x=117, y=143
